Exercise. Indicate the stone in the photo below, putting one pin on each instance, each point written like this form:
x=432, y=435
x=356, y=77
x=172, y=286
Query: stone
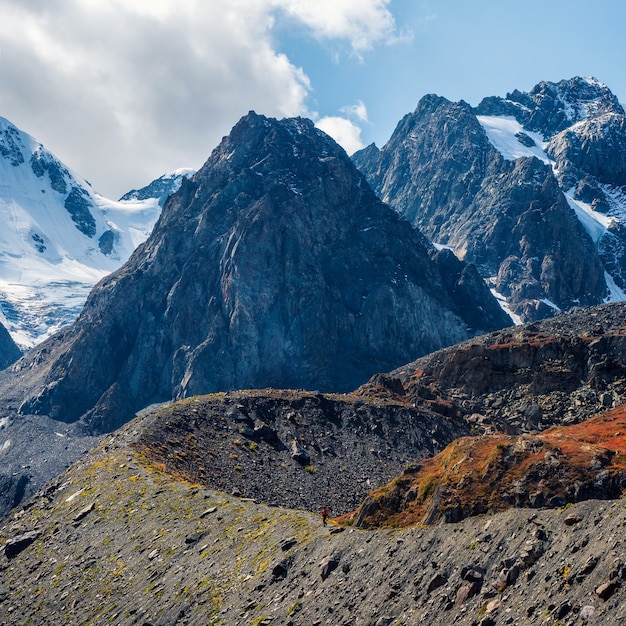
x=588, y=566
x=208, y=511
x=248, y=432
x=287, y=544
x=299, y=454
x=587, y=612
x=436, y=581
x=84, y=512
x=493, y=605
x=17, y=544
x=268, y=434
x=562, y=610
x=473, y=574
x=606, y=590
x=280, y=569
x=465, y=592
x=328, y=566
x=571, y=519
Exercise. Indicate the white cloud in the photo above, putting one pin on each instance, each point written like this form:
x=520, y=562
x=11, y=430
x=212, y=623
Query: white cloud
x=363, y=22
x=358, y=111
x=343, y=131
x=123, y=91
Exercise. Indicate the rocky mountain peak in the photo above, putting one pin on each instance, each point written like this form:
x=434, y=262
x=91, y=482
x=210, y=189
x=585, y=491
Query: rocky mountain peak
x=507, y=216
x=551, y=107
x=58, y=237
x=160, y=188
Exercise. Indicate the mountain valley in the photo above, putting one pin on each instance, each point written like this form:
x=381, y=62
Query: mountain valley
x=198, y=512
x=276, y=333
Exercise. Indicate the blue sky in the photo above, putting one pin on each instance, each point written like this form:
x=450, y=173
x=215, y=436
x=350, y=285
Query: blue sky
x=124, y=91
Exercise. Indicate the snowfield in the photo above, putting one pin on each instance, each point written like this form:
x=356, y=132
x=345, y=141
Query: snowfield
x=49, y=258
x=502, y=132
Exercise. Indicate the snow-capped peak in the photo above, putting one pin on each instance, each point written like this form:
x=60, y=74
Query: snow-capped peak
x=162, y=187
x=59, y=237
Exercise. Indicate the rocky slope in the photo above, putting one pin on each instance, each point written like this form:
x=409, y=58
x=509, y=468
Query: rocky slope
x=524, y=379
x=119, y=539
x=504, y=183
x=295, y=448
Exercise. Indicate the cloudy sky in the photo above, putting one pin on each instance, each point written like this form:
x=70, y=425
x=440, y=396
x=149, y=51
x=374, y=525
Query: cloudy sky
x=126, y=90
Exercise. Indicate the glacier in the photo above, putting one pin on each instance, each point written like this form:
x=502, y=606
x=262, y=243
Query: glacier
x=59, y=237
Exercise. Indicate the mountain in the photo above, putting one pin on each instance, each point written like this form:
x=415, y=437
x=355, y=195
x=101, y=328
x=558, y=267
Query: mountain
x=206, y=510
x=273, y=266
x=529, y=188
x=161, y=188
x=59, y=237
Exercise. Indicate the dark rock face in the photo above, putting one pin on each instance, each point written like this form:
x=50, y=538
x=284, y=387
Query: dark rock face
x=594, y=148
x=107, y=241
x=78, y=204
x=511, y=218
x=276, y=265
x=10, y=146
x=41, y=162
x=9, y=352
x=559, y=371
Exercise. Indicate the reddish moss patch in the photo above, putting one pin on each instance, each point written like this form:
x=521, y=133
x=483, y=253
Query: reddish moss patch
x=475, y=475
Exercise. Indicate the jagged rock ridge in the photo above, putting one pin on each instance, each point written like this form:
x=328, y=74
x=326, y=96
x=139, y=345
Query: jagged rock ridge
x=528, y=378
x=512, y=211
x=160, y=188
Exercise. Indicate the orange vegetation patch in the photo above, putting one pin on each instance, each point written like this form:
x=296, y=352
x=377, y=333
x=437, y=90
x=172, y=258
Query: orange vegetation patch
x=475, y=475
x=531, y=339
